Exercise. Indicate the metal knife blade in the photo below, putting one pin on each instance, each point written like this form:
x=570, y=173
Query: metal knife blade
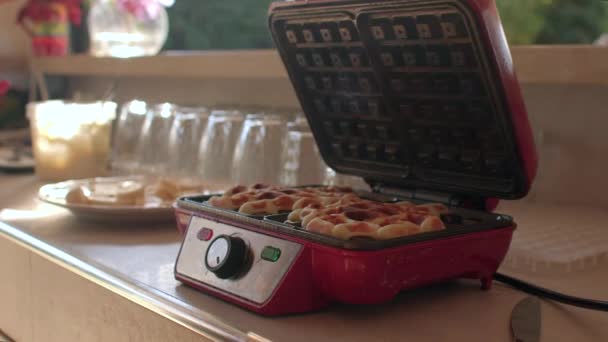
x=525, y=320
x=4, y=338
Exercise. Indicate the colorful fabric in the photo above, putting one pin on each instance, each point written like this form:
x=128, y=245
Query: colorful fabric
x=50, y=46
x=51, y=11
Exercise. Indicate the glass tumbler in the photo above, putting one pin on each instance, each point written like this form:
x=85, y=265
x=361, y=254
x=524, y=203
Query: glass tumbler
x=184, y=141
x=301, y=161
x=153, y=146
x=333, y=178
x=124, y=157
x=217, y=146
x=257, y=156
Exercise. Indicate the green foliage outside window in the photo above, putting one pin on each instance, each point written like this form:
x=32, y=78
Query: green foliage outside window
x=576, y=22
x=553, y=21
x=241, y=24
x=218, y=24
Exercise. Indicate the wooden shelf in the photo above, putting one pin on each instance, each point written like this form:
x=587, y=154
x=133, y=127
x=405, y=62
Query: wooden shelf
x=562, y=64
x=549, y=64
x=256, y=64
x=12, y=64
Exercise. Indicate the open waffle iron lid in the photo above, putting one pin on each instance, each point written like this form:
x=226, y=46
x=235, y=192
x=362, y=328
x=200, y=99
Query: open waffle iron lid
x=417, y=95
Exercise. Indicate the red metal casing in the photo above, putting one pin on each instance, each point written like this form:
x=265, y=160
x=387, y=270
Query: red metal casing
x=323, y=274
x=494, y=34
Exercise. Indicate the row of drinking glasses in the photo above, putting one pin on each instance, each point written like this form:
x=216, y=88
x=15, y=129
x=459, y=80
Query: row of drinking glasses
x=222, y=146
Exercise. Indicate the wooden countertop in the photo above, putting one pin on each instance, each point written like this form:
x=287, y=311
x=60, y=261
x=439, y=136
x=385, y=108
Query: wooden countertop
x=141, y=258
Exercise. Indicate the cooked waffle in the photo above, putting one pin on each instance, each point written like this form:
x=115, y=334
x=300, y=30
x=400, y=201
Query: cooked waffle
x=262, y=199
x=333, y=211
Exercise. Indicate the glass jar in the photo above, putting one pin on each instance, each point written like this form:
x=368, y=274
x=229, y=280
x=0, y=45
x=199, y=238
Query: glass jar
x=127, y=28
x=71, y=140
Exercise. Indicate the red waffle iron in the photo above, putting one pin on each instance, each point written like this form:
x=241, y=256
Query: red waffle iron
x=418, y=97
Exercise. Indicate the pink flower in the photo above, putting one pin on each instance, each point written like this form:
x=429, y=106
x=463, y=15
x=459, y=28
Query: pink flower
x=141, y=9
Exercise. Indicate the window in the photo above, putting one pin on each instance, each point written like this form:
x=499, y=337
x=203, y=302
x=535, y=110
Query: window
x=554, y=21
x=218, y=24
x=241, y=24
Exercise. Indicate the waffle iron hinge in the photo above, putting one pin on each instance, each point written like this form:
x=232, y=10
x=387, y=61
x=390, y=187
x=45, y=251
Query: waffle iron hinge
x=425, y=196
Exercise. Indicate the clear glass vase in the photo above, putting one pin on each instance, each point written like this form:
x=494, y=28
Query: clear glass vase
x=127, y=28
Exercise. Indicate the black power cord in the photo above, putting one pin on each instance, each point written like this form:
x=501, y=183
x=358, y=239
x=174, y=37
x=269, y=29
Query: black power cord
x=538, y=291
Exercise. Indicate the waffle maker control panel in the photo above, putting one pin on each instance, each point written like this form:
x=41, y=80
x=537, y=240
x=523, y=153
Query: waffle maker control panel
x=238, y=261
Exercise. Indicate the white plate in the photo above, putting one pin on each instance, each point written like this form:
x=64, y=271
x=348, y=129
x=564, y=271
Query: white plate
x=7, y=163
x=55, y=194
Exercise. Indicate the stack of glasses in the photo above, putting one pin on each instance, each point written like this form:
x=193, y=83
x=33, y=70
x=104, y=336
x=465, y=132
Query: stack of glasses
x=221, y=146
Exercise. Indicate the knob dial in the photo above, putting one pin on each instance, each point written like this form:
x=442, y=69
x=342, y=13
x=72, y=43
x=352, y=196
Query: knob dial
x=226, y=256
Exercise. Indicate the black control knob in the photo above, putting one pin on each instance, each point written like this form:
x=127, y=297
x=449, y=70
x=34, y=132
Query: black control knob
x=226, y=256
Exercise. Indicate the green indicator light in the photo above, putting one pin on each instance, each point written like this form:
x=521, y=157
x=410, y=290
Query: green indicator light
x=271, y=254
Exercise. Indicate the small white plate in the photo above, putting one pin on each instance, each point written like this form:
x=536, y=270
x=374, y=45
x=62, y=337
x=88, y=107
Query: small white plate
x=56, y=193
x=25, y=162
